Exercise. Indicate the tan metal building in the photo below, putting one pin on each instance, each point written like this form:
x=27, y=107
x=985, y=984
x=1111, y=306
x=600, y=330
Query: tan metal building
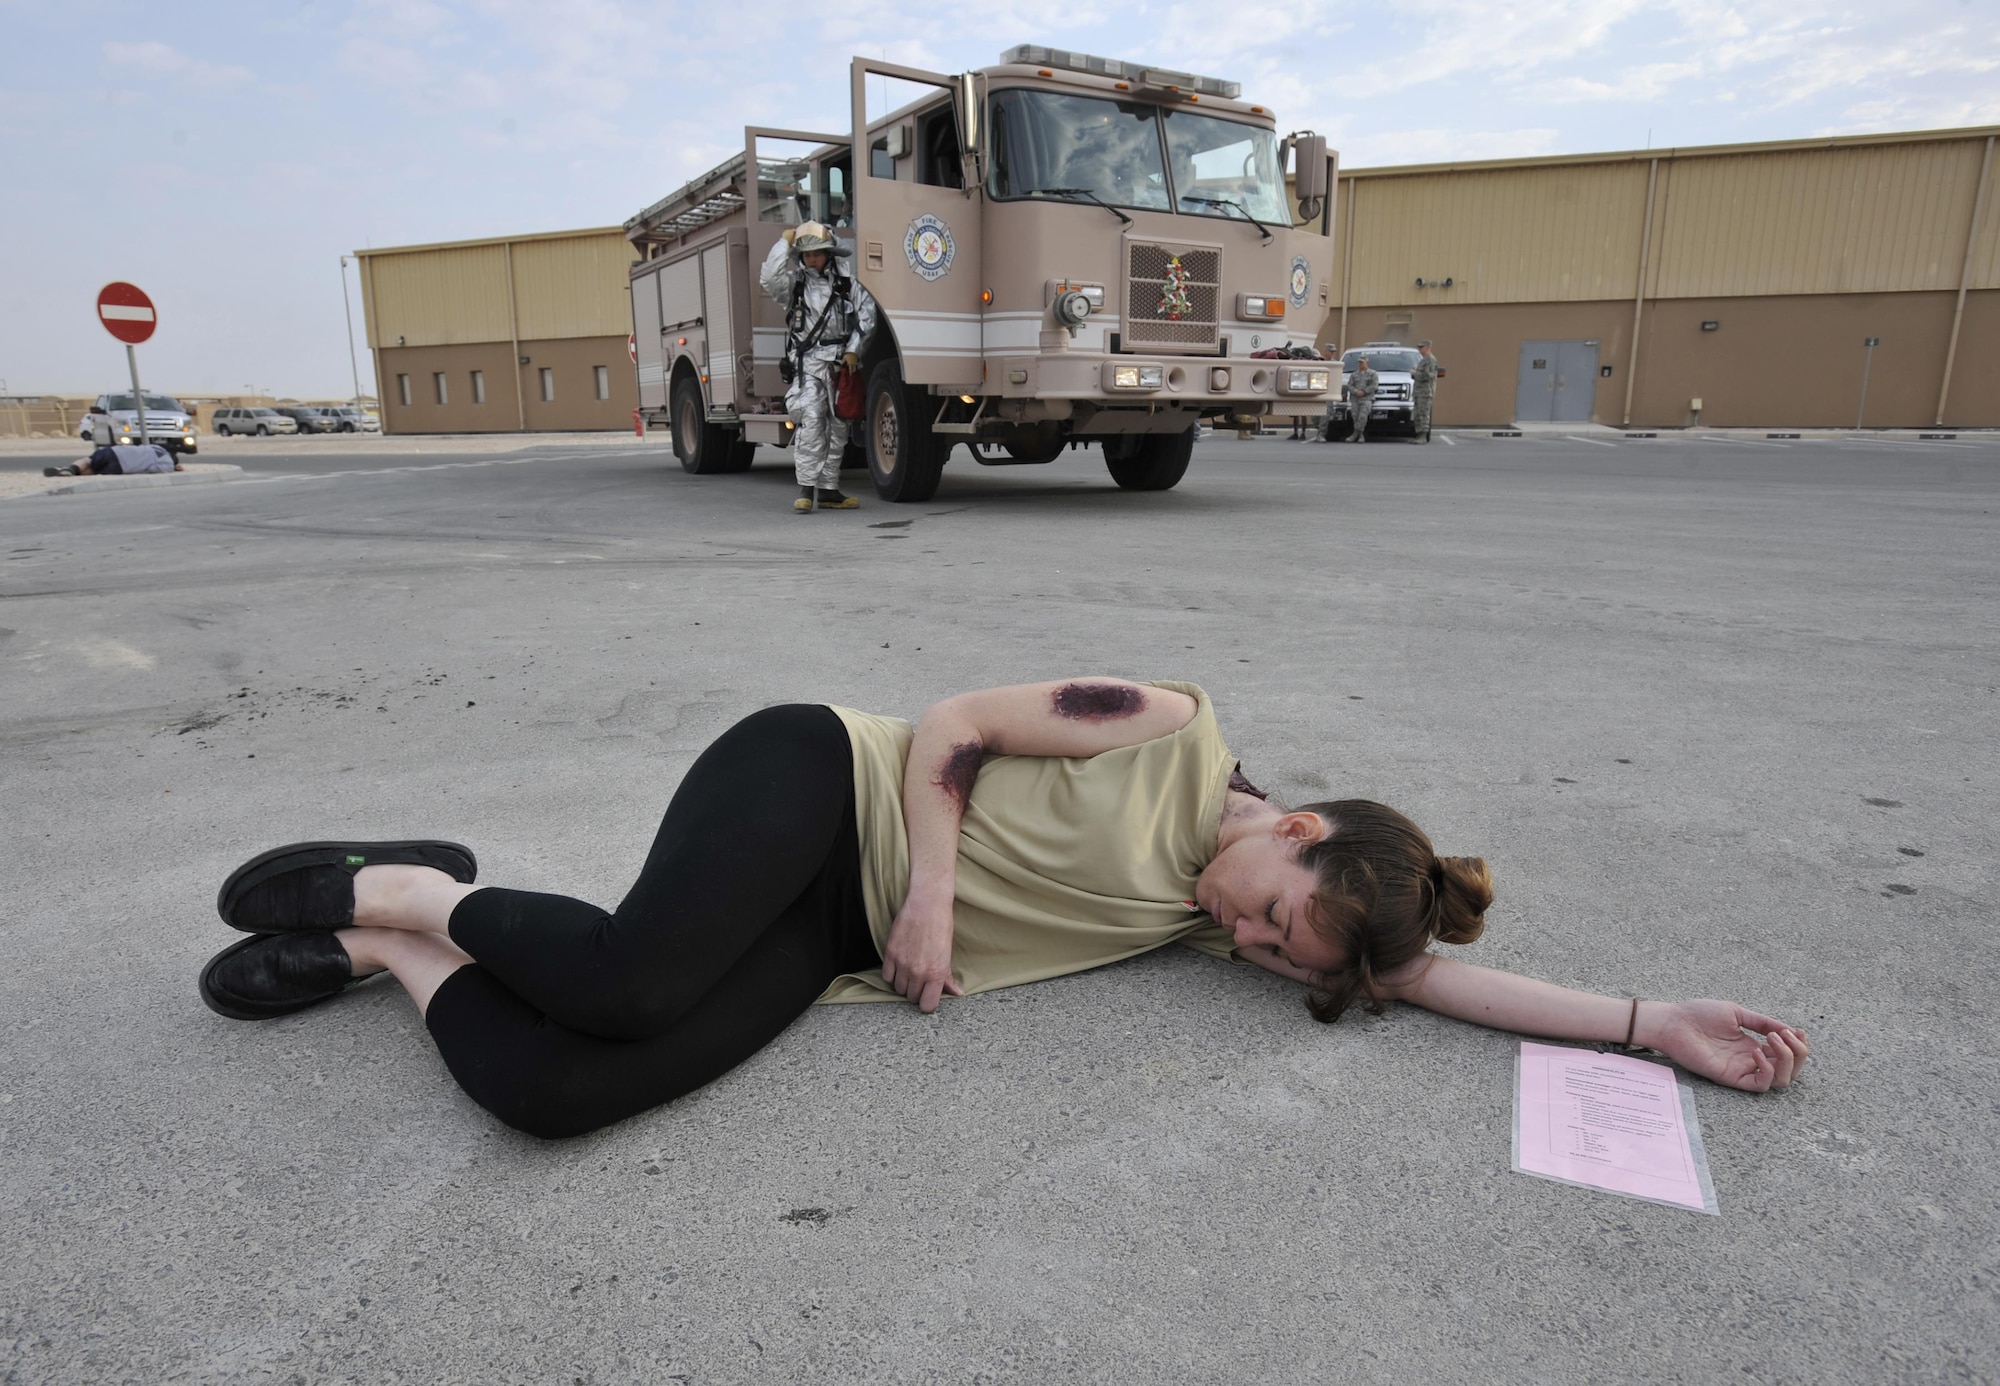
x=511, y=334
x=1733, y=285
x=1728, y=286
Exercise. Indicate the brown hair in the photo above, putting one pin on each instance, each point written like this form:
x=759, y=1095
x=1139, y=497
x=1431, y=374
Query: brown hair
x=1382, y=895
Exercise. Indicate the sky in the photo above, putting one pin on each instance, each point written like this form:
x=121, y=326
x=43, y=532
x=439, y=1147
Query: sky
x=225, y=156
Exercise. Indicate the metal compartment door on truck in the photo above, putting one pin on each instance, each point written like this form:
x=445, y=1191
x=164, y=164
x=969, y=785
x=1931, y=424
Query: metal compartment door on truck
x=688, y=329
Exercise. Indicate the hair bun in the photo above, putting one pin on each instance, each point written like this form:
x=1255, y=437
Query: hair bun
x=1464, y=890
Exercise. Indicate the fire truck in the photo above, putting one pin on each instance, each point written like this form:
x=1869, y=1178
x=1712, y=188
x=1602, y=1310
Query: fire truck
x=1066, y=249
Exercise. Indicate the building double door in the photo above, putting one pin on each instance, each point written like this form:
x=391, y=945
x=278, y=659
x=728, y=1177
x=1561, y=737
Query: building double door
x=1557, y=382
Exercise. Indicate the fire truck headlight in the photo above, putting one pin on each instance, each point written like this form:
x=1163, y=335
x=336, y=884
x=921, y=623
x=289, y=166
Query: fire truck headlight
x=1302, y=381
x=1135, y=377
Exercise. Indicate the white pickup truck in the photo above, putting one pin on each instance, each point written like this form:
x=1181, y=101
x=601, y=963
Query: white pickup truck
x=1392, y=363
x=167, y=423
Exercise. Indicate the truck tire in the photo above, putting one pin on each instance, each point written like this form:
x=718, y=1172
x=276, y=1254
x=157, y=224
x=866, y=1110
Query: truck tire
x=905, y=459
x=702, y=447
x=741, y=454
x=1150, y=461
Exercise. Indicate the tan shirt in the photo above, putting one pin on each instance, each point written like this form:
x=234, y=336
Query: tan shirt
x=1063, y=863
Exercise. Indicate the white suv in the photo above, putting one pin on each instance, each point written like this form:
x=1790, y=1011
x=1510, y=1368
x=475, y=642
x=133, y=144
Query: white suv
x=259, y=421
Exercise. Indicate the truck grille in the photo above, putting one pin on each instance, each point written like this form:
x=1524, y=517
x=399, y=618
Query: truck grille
x=1148, y=282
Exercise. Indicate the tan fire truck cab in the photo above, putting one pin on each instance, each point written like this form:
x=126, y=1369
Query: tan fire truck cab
x=1064, y=248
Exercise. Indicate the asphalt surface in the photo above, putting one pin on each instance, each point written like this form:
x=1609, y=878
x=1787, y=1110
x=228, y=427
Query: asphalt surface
x=1720, y=714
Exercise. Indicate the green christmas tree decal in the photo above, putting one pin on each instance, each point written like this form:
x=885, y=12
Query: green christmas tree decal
x=1174, y=303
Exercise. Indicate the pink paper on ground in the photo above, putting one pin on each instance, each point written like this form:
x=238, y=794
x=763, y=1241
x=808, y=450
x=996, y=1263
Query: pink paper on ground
x=1610, y=1122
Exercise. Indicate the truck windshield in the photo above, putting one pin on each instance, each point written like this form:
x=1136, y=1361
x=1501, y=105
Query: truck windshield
x=166, y=402
x=1223, y=168
x=1046, y=141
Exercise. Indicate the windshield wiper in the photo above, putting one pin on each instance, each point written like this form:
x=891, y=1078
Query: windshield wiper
x=1232, y=202
x=1078, y=192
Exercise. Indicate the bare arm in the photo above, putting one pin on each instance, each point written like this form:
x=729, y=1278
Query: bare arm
x=1705, y=1037
x=1717, y=1039
x=1074, y=717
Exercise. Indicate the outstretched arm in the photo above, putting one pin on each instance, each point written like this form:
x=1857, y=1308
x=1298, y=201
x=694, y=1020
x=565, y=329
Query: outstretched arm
x=1075, y=717
x=1717, y=1039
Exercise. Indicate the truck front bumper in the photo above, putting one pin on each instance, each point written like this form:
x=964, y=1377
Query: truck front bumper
x=1053, y=385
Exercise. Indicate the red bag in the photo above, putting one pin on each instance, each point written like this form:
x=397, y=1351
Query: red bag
x=850, y=397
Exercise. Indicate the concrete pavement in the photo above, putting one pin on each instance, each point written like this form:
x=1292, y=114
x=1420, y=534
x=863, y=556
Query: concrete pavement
x=1720, y=713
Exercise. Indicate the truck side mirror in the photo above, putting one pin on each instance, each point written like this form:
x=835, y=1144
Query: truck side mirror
x=1309, y=167
x=970, y=132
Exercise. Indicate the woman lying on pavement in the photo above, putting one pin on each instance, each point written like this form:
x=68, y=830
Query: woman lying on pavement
x=820, y=854
x=120, y=459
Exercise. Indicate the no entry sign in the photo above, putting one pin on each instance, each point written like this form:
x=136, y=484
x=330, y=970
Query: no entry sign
x=632, y=347
x=126, y=312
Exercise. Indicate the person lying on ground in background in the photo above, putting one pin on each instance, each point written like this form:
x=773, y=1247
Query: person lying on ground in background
x=817, y=853
x=120, y=459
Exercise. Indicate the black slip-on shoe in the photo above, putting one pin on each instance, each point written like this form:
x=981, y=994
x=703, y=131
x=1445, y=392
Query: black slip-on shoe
x=310, y=885
x=269, y=975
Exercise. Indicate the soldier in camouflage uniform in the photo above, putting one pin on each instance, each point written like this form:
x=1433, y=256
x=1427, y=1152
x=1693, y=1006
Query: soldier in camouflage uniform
x=1360, y=390
x=1423, y=388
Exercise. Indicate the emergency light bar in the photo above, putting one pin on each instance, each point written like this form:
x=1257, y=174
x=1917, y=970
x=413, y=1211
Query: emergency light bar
x=1159, y=77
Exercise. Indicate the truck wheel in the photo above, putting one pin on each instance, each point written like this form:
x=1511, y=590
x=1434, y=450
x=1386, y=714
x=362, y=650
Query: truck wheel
x=741, y=454
x=1150, y=461
x=702, y=447
x=263, y=430
x=905, y=458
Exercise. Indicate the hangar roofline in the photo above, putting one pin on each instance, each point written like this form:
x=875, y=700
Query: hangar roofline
x=1969, y=132
x=492, y=240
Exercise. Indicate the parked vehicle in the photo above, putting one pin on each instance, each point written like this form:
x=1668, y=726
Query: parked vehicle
x=260, y=421
x=353, y=420
x=310, y=418
x=1064, y=248
x=1392, y=363
x=117, y=420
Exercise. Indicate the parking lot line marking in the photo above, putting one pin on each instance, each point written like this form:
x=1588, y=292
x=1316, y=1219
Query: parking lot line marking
x=1598, y=441
x=1746, y=442
x=1449, y=441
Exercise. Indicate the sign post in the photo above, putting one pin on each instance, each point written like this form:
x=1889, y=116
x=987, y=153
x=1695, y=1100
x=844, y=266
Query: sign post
x=128, y=315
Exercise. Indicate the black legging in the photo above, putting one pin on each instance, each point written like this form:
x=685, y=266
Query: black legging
x=749, y=904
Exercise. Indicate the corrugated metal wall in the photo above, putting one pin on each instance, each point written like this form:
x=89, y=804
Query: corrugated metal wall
x=1986, y=253
x=454, y=295
x=1860, y=216
x=574, y=287
x=1541, y=234
x=1879, y=219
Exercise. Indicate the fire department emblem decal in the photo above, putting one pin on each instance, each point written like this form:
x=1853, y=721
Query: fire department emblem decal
x=929, y=247
x=1302, y=281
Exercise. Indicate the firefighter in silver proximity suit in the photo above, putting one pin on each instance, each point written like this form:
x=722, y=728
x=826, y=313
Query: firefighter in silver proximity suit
x=829, y=320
